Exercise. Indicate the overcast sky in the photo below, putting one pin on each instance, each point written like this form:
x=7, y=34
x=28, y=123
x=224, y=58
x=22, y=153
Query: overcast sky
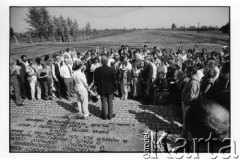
x=131, y=17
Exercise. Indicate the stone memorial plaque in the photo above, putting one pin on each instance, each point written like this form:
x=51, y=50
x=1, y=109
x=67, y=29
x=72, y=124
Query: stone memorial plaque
x=44, y=134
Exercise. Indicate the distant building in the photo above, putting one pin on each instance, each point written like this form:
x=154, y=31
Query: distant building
x=192, y=27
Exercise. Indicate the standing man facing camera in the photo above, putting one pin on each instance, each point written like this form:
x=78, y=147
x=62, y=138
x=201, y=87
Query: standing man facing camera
x=104, y=79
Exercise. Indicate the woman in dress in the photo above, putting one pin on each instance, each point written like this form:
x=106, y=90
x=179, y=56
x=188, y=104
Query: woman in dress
x=81, y=87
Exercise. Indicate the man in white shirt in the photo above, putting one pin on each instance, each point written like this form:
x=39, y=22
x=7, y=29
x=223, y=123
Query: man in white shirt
x=66, y=74
x=68, y=53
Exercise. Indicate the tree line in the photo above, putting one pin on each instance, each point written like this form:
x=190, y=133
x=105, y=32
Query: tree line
x=46, y=27
x=223, y=29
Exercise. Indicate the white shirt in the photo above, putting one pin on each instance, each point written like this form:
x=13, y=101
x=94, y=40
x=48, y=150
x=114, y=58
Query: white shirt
x=110, y=60
x=25, y=63
x=38, y=67
x=139, y=56
x=217, y=73
x=184, y=58
x=154, y=71
x=31, y=70
x=162, y=69
x=67, y=53
x=79, y=79
x=94, y=66
x=64, y=71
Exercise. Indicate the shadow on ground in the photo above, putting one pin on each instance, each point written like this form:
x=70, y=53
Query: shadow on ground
x=175, y=110
x=95, y=110
x=156, y=122
x=69, y=107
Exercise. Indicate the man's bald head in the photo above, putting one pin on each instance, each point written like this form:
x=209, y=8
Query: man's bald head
x=104, y=60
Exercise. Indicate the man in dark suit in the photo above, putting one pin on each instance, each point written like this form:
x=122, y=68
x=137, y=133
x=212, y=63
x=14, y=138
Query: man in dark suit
x=104, y=79
x=146, y=80
x=57, y=79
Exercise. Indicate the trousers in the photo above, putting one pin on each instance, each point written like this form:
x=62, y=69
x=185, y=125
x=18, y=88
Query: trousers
x=107, y=106
x=68, y=83
x=82, y=100
x=39, y=90
x=184, y=133
x=14, y=82
x=46, y=85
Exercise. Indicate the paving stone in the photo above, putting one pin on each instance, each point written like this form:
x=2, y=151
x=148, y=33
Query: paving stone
x=127, y=112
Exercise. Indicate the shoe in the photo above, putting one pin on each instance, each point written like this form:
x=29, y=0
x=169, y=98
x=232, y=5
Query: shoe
x=60, y=98
x=79, y=116
x=50, y=98
x=89, y=115
x=112, y=116
x=45, y=98
x=103, y=118
x=84, y=118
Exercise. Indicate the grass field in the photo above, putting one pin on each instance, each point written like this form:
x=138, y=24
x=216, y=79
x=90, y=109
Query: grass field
x=135, y=39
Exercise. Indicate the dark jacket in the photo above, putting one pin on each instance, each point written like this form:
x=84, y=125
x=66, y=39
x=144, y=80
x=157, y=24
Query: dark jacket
x=104, y=79
x=57, y=71
x=147, y=74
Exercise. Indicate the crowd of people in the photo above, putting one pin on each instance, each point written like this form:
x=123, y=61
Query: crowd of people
x=140, y=74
